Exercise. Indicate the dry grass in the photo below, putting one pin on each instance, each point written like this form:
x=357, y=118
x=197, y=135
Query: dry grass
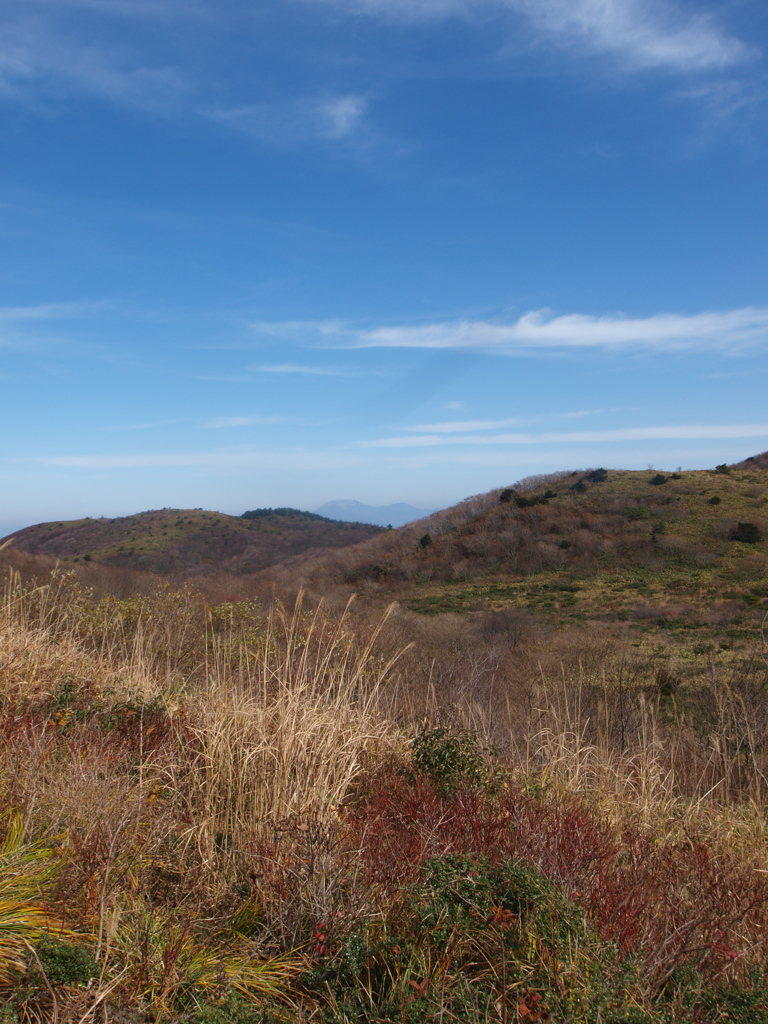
x=226, y=789
x=286, y=738
x=159, y=784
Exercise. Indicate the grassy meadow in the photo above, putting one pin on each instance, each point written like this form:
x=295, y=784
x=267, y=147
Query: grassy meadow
x=522, y=777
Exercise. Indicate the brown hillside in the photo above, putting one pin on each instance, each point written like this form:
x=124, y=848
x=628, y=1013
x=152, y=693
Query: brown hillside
x=574, y=523
x=754, y=462
x=189, y=542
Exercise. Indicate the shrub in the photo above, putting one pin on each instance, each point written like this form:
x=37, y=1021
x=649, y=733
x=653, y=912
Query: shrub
x=425, y=541
x=449, y=760
x=506, y=495
x=723, y=468
x=538, y=499
x=233, y=1010
x=658, y=480
x=715, y=500
x=290, y=513
x=747, y=533
x=635, y=512
x=65, y=963
x=597, y=476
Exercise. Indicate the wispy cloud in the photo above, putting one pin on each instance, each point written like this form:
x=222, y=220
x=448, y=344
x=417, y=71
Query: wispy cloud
x=219, y=422
x=67, y=49
x=297, y=120
x=539, y=329
x=52, y=311
x=252, y=374
x=641, y=33
x=313, y=371
x=40, y=61
x=341, y=116
x=142, y=426
x=282, y=460
x=690, y=432
x=465, y=426
x=298, y=328
x=644, y=33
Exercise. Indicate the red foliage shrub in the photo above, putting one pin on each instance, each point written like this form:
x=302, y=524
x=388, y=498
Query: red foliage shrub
x=669, y=903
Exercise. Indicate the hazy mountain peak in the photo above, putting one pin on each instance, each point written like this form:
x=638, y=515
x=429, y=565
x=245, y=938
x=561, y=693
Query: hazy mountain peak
x=351, y=510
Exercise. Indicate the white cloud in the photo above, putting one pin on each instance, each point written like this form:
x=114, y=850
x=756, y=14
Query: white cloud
x=51, y=311
x=142, y=426
x=218, y=422
x=642, y=33
x=539, y=329
x=296, y=120
x=645, y=34
x=38, y=59
x=341, y=116
x=283, y=460
x=463, y=426
x=314, y=371
x=690, y=432
x=294, y=328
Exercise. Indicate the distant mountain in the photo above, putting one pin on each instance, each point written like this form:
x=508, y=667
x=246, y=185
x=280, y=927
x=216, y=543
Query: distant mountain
x=190, y=542
x=350, y=511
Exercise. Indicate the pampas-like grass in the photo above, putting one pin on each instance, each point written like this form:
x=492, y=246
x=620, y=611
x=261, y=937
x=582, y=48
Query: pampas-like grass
x=285, y=738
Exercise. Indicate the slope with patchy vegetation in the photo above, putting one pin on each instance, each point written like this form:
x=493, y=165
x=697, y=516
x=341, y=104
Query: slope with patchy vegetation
x=578, y=524
x=190, y=541
x=679, y=559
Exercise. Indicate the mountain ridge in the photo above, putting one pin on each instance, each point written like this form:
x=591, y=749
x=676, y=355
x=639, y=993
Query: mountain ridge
x=188, y=542
x=350, y=510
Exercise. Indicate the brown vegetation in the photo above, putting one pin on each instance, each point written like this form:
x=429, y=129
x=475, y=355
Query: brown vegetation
x=239, y=811
x=190, y=542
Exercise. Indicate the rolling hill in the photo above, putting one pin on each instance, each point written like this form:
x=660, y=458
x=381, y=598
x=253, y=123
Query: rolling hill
x=678, y=557
x=189, y=542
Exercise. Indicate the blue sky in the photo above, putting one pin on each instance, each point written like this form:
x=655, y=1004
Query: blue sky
x=283, y=252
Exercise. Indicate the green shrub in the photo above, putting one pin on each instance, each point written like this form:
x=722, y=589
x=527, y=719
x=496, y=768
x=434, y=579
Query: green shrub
x=715, y=500
x=658, y=480
x=730, y=1004
x=747, y=533
x=234, y=1010
x=659, y=527
x=450, y=760
x=723, y=468
x=537, y=499
x=635, y=512
x=505, y=928
x=65, y=963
